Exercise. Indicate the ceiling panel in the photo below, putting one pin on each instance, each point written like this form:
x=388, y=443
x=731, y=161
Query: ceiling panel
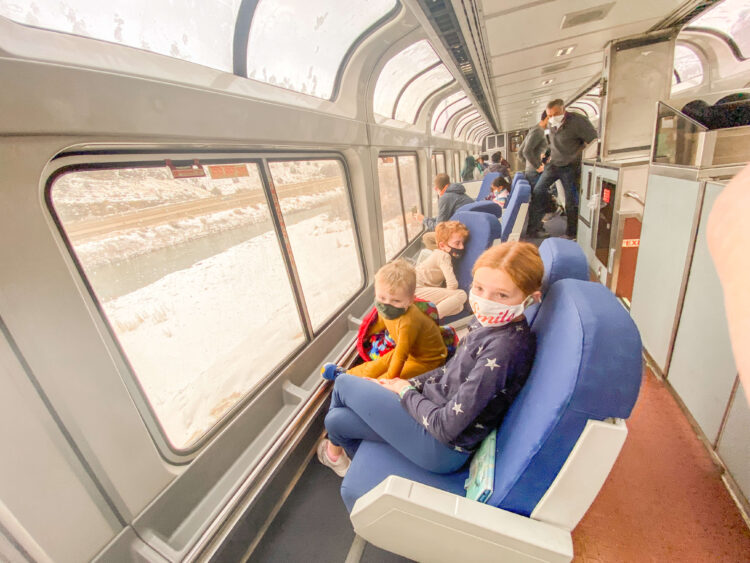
x=591, y=63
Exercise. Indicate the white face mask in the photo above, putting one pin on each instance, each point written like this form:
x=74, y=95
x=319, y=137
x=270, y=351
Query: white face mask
x=492, y=313
x=556, y=120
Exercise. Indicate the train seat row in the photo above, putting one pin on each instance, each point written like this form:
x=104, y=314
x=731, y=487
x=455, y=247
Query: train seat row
x=554, y=449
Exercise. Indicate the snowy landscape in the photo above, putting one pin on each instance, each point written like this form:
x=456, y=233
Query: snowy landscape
x=200, y=337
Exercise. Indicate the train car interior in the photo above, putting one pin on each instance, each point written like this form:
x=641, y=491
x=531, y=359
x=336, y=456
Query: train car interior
x=196, y=196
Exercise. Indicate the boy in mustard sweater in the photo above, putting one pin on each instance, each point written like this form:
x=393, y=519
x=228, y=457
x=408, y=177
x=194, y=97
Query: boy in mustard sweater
x=419, y=344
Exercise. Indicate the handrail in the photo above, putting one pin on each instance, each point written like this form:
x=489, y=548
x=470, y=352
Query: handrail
x=636, y=196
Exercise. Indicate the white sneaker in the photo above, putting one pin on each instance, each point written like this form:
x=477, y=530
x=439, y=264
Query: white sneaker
x=340, y=466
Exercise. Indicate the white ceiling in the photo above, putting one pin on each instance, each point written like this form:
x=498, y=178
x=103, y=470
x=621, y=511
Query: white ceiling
x=522, y=37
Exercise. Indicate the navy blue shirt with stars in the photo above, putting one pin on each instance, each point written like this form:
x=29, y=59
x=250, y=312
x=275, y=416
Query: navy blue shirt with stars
x=463, y=401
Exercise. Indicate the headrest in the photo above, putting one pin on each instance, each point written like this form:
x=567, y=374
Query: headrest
x=484, y=189
x=484, y=206
x=483, y=230
x=521, y=193
x=587, y=366
x=562, y=259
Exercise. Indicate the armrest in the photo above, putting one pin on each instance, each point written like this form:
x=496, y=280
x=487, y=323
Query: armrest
x=427, y=524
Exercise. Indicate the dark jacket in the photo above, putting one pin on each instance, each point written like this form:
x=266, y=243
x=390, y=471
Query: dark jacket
x=448, y=203
x=461, y=402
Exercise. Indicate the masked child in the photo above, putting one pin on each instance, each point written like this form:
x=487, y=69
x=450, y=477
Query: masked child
x=436, y=278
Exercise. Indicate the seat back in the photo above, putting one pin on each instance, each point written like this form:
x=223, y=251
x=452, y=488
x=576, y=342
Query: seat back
x=484, y=206
x=517, y=176
x=484, y=189
x=519, y=195
x=484, y=228
x=562, y=259
x=587, y=366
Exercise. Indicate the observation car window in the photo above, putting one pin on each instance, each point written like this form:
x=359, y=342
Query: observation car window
x=200, y=32
x=456, y=166
x=318, y=218
x=688, y=69
x=438, y=115
x=473, y=129
x=394, y=79
x=300, y=50
x=418, y=91
x=441, y=123
x=438, y=167
x=730, y=18
x=467, y=124
x=463, y=120
x=409, y=176
x=189, y=274
x=394, y=229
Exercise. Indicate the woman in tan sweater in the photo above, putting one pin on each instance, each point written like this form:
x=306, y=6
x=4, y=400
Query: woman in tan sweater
x=436, y=279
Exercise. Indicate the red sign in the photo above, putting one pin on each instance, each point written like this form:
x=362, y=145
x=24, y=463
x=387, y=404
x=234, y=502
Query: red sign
x=631, y=242
x=606, y=195
x=220, y=171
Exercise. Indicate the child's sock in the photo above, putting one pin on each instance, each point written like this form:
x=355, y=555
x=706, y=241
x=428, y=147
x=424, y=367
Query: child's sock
x=333, y=457
x=331, y=371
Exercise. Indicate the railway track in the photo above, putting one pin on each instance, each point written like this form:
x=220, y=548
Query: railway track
x=89, y=229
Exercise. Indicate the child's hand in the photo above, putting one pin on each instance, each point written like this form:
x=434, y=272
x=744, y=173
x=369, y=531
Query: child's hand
x=395, y=384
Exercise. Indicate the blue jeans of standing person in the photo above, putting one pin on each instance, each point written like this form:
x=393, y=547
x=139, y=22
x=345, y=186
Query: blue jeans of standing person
x=531, y=177
x=540, y=197
x=363, y=410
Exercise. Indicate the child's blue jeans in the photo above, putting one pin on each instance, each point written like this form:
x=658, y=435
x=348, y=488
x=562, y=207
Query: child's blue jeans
x=363, y=410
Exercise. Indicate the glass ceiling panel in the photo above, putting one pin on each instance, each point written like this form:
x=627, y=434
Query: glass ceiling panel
x=419, y=90
x=443, y=104
x=463, y=120
x=441, y=124
x=479, y=135
x=688, y=66
x=398, y=71
x=197, y=31
x=300, y=45
x=461, y=132
x=732, y=18
x=474, y=128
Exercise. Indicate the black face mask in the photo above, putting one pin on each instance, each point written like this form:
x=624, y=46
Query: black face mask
x=389, y=311
x=456, y=253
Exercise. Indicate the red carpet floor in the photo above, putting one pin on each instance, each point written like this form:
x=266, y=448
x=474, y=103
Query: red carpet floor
x=664, y=499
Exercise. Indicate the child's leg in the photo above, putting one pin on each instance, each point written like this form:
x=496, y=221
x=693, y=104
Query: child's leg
x=373, y=369
x=363, y=410
x=448, y=301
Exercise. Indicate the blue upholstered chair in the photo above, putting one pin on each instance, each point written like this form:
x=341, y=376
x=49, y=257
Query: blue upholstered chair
x=484, y=189
x=484, y=229
x=554, y=449
x=483, y=206
x=562, y=259
x=514, y=215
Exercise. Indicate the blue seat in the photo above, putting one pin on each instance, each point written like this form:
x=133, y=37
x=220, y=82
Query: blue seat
x=587, y=367
x=517, y=176
x=484, y=206
x=484, y=228
x=562, y=259
x=518, y=196
x=484, y=189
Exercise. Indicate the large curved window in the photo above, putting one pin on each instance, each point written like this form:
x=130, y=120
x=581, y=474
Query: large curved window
x=688, y=69
x=472, y=129
x=302, y=51
x=731, y=18
x=407, y=80
x=441, y=117
x=418, y=90
x=479, y=134
x=197, y=31
x=463, y=120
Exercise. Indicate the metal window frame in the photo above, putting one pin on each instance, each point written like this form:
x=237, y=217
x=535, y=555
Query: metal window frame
x=430, y=95
x=243, y=25
x=409, y=83
x=459, y=120
x=150, y=158
x=462, y=132
x=451, y=116
x=736, y=51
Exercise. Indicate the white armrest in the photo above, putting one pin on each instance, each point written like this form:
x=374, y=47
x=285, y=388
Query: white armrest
x=583, y=474
x=520, y=223
x=427, y=524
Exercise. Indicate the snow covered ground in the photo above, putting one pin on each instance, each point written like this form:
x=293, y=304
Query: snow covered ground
x=199, y=339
